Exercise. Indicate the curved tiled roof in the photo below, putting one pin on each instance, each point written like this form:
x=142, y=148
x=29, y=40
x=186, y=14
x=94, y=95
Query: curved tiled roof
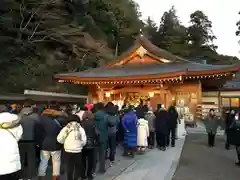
x=151, y=69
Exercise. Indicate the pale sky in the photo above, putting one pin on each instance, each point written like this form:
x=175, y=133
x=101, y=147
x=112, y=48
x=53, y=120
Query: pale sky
x=222, y=13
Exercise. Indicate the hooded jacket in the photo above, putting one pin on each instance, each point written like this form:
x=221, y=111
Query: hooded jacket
x=28, y=120
x=102, y=127
x=49, y=128
x=73, y=137
x=88, y=124
x=10, y=133
x=112, y=122
x=150, y=117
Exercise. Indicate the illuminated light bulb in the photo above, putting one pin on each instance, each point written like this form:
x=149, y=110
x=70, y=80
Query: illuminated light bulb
x=151, y=94
x=107, y=94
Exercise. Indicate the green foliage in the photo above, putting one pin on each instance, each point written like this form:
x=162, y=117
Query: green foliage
x=115, y=21
x=171, y=34
x=195, y=41
x=200, y=31
x=41, y=38
x=238, y=27
x=150, y=29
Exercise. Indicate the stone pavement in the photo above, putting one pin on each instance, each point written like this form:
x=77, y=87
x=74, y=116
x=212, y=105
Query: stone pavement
x=200, y=129
x=153, y=165
x=199, y=162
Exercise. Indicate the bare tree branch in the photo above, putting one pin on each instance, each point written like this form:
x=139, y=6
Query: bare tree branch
x=22, y=9
x=29, y=20
x=34, y=31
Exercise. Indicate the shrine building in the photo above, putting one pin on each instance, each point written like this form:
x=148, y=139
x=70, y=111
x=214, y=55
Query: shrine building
x=150, y=73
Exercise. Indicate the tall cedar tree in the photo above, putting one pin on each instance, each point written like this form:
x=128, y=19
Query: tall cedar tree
x=171, y=34
x=150, y=29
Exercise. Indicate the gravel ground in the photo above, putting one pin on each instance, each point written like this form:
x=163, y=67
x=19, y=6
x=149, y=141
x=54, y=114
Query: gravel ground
x=199, y=162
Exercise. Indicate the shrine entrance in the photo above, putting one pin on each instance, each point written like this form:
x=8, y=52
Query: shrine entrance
x=158, y=98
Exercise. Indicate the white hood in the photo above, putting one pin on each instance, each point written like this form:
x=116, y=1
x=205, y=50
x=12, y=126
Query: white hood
x=7, y=120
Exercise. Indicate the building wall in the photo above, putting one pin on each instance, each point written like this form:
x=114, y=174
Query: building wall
x=190, y=93
x=219, y=100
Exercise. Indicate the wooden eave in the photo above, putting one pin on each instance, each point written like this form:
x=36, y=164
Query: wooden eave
x=156, y=78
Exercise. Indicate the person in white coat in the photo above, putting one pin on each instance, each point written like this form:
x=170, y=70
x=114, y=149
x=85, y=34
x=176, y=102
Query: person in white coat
x=73, y=138
x=142, y=134
x=10, y=133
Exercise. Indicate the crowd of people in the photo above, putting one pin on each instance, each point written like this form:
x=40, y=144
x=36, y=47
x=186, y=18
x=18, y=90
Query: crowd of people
x=79, y=140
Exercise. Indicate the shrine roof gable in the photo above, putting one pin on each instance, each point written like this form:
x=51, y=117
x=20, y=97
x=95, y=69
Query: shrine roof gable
x=141, y=48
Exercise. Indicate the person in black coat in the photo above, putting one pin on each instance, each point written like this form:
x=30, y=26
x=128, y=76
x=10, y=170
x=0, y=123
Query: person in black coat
x=228, y=122
x=172, y=125
x=88, y=152
x=140, y=109
x=161, y=127
x=234, y=135
x=48, y=129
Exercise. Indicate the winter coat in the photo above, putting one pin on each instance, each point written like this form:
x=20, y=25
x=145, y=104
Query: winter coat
x=229, y=120
x=140, y=111
x=10, y=133
x=129, y=123
x=142, y=132
x=89, y=125
x=173, y=117
x=112, y=122
x=150, y=117
x=234, y=133
x=73, y=137
x=212, y=123
x=28, y=120
x=161, y=122
x=102, y=127
x=48, y=130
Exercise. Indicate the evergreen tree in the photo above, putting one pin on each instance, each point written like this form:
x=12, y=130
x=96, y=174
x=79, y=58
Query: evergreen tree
x=171, y=34
x=200, y=31
x=238, y=27
x=150, y=29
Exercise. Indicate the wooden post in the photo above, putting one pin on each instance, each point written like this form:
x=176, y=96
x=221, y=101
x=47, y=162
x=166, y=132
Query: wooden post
x=199, y=92
x=90, y=97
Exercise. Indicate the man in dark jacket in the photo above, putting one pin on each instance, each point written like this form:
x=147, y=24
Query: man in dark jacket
x=172, y=125
x=27, y=144
x=161, y=127
x=89, y=125
x=140, y=109
x=102, y=127
x=50, y=127
x=234, y=135
x=113, y=121
x=228, y=122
